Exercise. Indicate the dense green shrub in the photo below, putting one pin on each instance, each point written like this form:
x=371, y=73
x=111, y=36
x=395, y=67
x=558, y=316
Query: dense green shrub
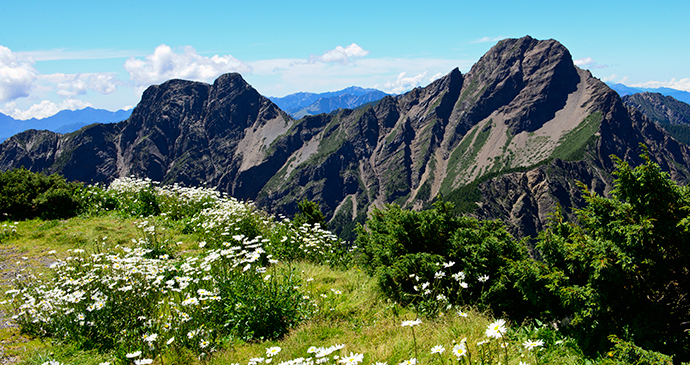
x=623, y=270
x=309, y=213
x=25, y=195
x=434, y=258
x=626, y=353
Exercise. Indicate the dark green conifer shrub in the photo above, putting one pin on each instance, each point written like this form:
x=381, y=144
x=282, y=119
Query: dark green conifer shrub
x=25, y=195
x=407, y=249
x=623, y=270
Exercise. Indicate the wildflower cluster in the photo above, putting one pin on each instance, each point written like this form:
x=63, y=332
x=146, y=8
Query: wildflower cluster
x=315, y=355
x=125, y=300
x=219, y=220
x=491, y=350
x=8, y=230
x=433, y=293
x=145, y=300
x=144, y=197
x=231, y=220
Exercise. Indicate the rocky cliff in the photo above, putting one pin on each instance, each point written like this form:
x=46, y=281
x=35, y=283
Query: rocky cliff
x=510, y=138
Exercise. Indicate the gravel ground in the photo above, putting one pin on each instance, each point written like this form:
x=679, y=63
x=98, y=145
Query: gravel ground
x=8, y=271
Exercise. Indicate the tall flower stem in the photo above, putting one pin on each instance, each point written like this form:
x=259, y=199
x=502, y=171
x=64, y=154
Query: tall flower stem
x=505, y=346
x=415, y=343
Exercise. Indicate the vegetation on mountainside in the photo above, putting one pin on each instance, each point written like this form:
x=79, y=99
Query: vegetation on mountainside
x=680, y=132
x=571, y=145
x=186, y=275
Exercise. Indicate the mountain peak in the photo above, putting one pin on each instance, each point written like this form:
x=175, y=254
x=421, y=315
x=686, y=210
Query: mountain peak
x=531, y=78
x=231, y=80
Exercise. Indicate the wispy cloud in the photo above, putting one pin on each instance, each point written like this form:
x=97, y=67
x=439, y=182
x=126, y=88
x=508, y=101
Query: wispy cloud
x=488, y=39
x=302, y=75
x=588, y=63
x=69, y=85
x=682, y=84
x=89, y=54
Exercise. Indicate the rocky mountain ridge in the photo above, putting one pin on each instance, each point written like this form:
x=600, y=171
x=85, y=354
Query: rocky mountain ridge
x=660, y=108
x=509, y=138
x=327, y=105
x=624, y=90
x=299, y=105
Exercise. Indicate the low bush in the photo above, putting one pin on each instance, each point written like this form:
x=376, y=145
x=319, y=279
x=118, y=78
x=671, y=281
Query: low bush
x=434, y=258
x=623, y=270
x=26, y=195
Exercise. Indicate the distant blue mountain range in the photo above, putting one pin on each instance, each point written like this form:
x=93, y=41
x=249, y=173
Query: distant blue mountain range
x=64, y=121
x=301, y=104
x=623, y=90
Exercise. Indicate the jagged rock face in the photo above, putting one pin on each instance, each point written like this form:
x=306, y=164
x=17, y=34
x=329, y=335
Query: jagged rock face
x=527, y=79
x=190, y=132
x=659, y=108
x=181, y=131
x=523, y=114
x=86, y=155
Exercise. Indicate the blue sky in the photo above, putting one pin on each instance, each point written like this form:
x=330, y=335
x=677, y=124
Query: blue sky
x=73, y=54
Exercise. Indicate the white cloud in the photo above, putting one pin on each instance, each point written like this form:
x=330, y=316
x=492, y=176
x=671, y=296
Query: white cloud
x=78, y=84
x=436, y=76
x=609, y=78
x=488, y=39
x=403, y=83
x=16, y=77
x=342, y=55
x=43, y=109
x=165, y=64
x=588, y=62
x=682, y=84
